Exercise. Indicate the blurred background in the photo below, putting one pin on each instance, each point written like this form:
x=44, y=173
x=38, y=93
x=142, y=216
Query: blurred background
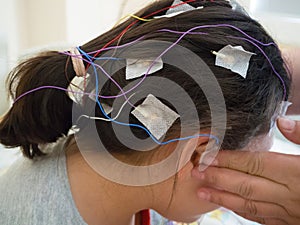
x=30, y=25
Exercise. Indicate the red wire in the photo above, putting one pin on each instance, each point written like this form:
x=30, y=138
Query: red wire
x=133, y=23
x=146, y=217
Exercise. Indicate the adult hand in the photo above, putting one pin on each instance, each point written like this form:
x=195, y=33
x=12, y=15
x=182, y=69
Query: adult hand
x=260, y=186
x=290, y=129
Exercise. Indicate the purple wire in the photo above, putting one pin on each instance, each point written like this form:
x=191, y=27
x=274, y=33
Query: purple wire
x=102, y=69
x=164, y=52
x=52, y=87
x=182, y=36
x=182, y=32
x=45, y=87
x=117, y=47
x=268, y=59
x=75, y=92
x=221, y=25
x=252, y=41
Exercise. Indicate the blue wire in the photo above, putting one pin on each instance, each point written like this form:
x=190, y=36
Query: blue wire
x=137, y=125
x=106, y=58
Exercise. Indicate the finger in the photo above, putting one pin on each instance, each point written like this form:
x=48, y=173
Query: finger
x=290, y=129
x=241, y=205
x=244, y=185
x=262, y=220
x=278, y=167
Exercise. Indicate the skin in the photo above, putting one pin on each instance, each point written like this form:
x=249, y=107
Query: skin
x=252, y=185
x=101, y=201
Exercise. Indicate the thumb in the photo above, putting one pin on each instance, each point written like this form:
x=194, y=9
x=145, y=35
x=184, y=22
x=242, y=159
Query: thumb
x=290, y=129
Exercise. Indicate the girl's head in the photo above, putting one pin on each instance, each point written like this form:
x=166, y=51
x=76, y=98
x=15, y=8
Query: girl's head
x=251, y=103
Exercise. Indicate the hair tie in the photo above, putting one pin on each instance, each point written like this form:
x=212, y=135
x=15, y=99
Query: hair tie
x=77, y=62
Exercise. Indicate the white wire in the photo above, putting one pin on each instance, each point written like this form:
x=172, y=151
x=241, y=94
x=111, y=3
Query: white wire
x=107, y=120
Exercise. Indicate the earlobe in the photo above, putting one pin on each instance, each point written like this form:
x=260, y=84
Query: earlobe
x=195, y=159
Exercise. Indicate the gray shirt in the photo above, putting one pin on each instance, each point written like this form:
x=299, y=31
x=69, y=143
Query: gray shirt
x=38, y=192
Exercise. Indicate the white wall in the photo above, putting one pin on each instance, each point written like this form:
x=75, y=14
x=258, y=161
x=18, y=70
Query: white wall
x=26, y=25
x=9, y=26
x=9, y=45
x=132, y=6
x=280, y=19
x=245, y=3
x=3, y=71
x=89, y=18
x=42, y=23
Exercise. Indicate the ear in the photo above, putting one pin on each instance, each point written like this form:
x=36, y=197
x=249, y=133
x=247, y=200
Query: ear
x=200, y=149
x=193, y=150
x=191, y=155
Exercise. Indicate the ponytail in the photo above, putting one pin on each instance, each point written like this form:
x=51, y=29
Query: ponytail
x=42, y=116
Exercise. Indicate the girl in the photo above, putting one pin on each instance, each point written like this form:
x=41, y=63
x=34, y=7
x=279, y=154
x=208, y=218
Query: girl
x=117, y=126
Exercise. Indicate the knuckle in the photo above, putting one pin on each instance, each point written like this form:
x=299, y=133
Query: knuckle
x=255, y=164
x=233, y=161
x=251, y=208
x=245, y=190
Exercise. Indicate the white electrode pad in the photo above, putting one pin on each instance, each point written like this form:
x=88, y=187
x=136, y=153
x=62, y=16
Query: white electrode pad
x=176, y=7
x=281, y=112
x=284, y=107
x=155, y=116
x=138, y=67
x=237, y=59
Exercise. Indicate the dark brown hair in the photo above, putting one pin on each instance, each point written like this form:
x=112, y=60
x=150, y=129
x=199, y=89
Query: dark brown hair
x=44, y=116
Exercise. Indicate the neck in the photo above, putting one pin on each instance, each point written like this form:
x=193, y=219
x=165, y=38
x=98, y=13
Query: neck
x=101, y=201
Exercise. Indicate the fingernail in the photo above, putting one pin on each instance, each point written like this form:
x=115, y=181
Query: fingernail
x=287, y=124
x=204, y=195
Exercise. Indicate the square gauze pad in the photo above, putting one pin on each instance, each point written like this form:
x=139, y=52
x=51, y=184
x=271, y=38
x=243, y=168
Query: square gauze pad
x=155, y=116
